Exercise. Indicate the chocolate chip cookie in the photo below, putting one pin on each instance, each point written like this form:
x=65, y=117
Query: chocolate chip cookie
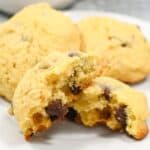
x=110, y=102
x=28, y=37
x=43, y=95
x=121, y=44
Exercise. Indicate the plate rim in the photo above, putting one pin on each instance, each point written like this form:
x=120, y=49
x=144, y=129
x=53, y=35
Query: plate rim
x=109, y=14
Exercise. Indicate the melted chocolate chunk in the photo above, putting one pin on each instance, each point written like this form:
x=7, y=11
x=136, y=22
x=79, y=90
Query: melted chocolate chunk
x=72, y=54
x=75, y=89
x=56, y=110
x=72, y=114
x=106, y=113
x=106, y=94
x=121, y=115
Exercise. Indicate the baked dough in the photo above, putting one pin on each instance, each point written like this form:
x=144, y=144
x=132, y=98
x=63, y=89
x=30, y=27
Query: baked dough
x=122, y=45
x=28, y=37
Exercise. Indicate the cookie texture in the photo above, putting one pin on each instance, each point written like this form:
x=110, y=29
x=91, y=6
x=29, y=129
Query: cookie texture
x=122, y=45
x=71, y=88
x=29, y=36
x=113, y=103
x=42, y=96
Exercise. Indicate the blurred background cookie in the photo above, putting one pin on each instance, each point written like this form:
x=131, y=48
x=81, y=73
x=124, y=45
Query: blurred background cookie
x=28, y=37
x=122, y=45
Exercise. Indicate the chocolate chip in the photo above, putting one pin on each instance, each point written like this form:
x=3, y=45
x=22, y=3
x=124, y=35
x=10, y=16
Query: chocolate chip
x=106, y=113
x=56, y=110
x=106, y=94
x=75, y=89
x=72, y=54
x=124, y=44
x=72, y=114
x=44, y=66
x=121, y=116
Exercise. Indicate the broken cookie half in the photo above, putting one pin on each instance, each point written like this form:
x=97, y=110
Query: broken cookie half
x=110, y=102
x=43, y=95
x=67, y=85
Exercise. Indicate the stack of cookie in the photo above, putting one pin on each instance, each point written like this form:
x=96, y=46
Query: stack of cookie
x=53, y=69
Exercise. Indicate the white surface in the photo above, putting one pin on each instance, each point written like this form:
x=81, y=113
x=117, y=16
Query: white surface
x=68, y=136
x=2, y=18
x=12, y=6
x=138, y=8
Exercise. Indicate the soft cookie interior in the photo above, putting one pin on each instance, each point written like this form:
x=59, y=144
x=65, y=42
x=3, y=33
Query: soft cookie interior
x=110, y=102
x=71, y=87
x=49, y=87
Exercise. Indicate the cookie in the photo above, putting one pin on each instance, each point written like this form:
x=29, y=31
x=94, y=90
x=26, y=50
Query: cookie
x=122, y=45
x=42, y=96
x=28, y=37
x=113, y=103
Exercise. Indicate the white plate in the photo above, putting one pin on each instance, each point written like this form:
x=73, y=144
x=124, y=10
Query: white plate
x=12, y=6
x=68, y=135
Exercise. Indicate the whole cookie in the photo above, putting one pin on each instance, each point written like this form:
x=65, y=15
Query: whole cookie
x=29, y=36
x=121, y=44
x=110, y=102
x=43, y=95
